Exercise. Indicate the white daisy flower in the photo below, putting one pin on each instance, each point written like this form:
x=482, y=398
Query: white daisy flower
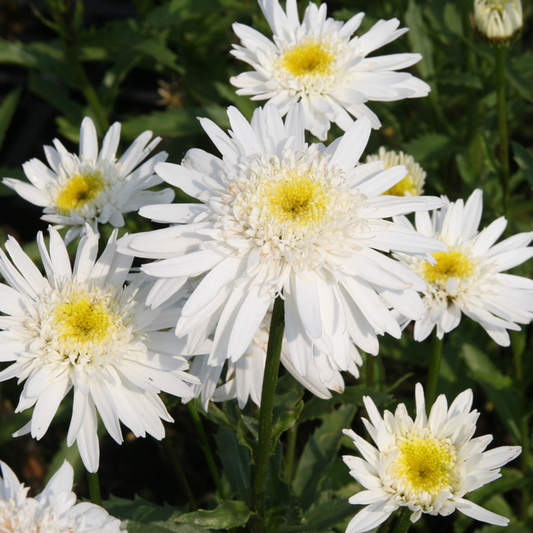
x=469, y=279
x=80, y=328
x=243, y=379
x=318, y=62
x=54, y=510
x=427, y=464
x=413, y=183
x=283, y=217
x=498, y=20
x=93, y=188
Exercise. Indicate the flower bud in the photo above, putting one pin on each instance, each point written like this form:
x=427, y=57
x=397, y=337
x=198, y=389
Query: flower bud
x=498, y=20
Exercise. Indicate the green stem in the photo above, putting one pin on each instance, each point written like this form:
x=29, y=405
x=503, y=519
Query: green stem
x=178, y=471
x=499, y=78
x=525, y=456
x=94, y=488
x=206, y=448
x=403, y=521
x=434, y=370
x=290, y=453
x=265, y=445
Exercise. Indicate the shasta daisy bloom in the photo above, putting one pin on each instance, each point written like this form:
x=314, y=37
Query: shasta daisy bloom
x=427, y=464
x=80, y=328
x=280, y=216
x=93, y=188
x=498, y=20
x=243, y=379
x=413, y=183
x=54, y=510
x=469, y=279
x=318, y=62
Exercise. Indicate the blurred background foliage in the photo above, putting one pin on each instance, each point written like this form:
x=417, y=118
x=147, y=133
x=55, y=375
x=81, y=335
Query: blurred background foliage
x=160, y=64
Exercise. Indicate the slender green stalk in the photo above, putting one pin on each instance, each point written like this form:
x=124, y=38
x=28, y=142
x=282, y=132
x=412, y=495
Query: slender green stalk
x=94, y=488
x=403, y=521
x=525, y=456
x=290, y=451
x=499, y=78
x=434, y=370
x=265, y=445
x=206, y=448
x=370, y=371
x=178, y=471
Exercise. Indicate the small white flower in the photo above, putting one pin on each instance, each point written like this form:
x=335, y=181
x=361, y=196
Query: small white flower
x=427, y=464
x=93, y=188
x=469, y=278
x=318, y=62
x=413, y=183
x=498, y=20
x=80, y=328
x=283, y=217
x=53, y=511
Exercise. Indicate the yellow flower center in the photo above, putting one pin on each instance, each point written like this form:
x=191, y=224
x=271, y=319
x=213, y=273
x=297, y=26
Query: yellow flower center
x=310, y=57
x=425, y=464
x=83, y=320
x=298, y=199
x=79, y=190
x=454, y=264
x=405, y=187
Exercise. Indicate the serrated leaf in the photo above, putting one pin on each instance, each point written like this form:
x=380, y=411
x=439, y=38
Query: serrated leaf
x=429, y=147
x=227, y=515
x=419, y=40
x=319, y=454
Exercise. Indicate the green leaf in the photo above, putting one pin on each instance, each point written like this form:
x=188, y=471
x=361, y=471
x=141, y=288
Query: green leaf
x=227, y=515
x=429, y=147
x=483, y=368
x=236, y=461
x=524, y=160
x=419, y=39
x=322, y=517
x=7, y=110
x=319, y=454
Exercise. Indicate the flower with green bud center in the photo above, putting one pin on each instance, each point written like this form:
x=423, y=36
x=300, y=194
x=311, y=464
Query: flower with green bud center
x=498, y=20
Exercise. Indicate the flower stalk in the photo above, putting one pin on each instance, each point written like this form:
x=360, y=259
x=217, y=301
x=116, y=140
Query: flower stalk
x=499, y=78
x=265, y=444
x=403, y=521
x=93, y=482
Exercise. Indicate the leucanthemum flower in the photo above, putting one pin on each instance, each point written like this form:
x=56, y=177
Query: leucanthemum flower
x=243, y=379
x=80, y=328
x=469, y=278
x=413, y=183
x=318, y=62
x=93, y=188
x=498, y=20
x=283, y=217
x=54, y=510
x=427, y=464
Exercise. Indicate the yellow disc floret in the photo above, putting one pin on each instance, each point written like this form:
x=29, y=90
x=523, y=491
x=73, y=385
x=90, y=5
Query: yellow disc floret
x=405, y=187
x=308, y=58
x=83, y=320
x=79, y=190
x=425, y=465
x=297, y=198
x=454, y=264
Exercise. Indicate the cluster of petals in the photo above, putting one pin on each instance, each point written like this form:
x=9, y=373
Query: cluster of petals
x=281, y=217
x=92, y=187
x=54, y=510
x=317, y=62
x=427, y=464
x=82, y=328
x=471, y=280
